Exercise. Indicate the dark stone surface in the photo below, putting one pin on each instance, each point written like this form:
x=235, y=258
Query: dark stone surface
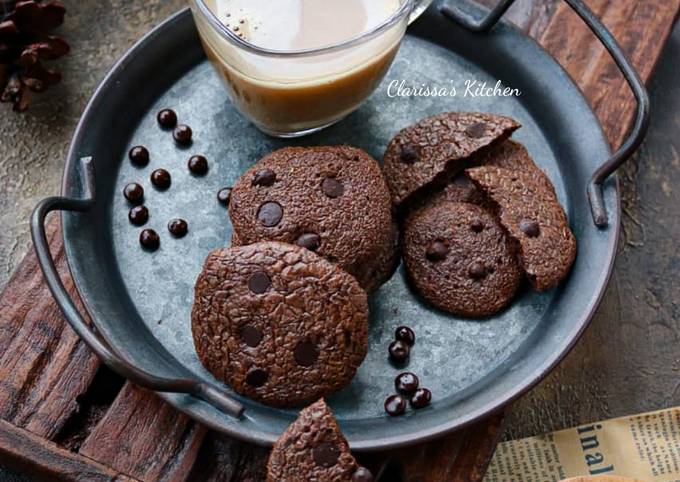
x=627, y=362
x=33, y=145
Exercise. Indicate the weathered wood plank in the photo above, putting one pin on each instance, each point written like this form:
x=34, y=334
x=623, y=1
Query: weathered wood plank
x=46, y=461
x=641, y=28
x=223, y=458
x=43, y=364
x=529, y=15
x=476, y=454
x=144, y=437
x=461, y=457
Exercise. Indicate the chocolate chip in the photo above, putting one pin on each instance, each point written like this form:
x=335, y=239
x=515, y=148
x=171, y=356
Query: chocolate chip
x=167, y=118
x=399, y=351
x=161, y=179
x=182, y=134
x=306, y=353
x=138, y=215
x=395, y=405
x=134, y=193
x=477, y=226
x=421, y=398
x=310, y=241
x=149, y=239
x=264, y=177
x=476, y=130
x=405, y=334
x=270, y=214
x=409, y=154
x=477, y=270
x=256, y=377
x=224, y=196
x=251, y=335
x=332, y=187
x=530, y=228
x=139, y=156
x=259, y=283
x=362, y=474
x=326, y=454
x=198, y=165
x=406, y=383
x=437, y=251
x=178, y=228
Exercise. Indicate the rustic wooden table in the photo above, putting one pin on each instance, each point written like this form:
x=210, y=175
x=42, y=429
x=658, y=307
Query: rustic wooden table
x=628, y=360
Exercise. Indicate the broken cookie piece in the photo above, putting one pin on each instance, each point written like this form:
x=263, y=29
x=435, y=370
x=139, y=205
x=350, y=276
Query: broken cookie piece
x=436, y=148
x=313, y=448
x=529, y=210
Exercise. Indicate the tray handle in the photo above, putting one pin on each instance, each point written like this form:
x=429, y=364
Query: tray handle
x=203, y=390
x=641, y=125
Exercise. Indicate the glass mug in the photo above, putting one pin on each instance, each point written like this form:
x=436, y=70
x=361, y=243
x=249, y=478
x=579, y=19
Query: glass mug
x=291, y=93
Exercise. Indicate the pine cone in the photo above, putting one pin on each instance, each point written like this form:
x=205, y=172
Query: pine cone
x=24, y=44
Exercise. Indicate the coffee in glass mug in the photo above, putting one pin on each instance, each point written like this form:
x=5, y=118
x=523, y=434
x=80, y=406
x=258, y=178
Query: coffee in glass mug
x=296, y=66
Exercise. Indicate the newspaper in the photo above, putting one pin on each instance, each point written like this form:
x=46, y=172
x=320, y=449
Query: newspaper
x=644, y=447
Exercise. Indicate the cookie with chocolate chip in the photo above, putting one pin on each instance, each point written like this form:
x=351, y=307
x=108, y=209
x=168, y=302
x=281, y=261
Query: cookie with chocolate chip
x=428, y=153
x=279, y=323
x=460, y=260
x=333, y=201
x=529, y=210
x=313, y=448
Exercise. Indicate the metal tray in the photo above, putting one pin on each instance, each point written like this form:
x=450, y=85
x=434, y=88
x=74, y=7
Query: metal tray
x=140, y=302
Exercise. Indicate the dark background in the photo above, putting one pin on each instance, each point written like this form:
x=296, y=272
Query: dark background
x=627, y=362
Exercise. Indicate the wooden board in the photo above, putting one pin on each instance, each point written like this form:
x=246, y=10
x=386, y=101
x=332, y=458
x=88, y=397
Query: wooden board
x=160, y=443
x=44, y=366
x=50, y=391
x=44, y=460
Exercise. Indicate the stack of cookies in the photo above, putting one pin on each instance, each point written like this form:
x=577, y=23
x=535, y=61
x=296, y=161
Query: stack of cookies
x=479, y=215
x=282, y=315
x=313, y=448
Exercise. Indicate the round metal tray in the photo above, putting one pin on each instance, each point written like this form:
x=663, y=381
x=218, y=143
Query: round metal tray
x=140, y=302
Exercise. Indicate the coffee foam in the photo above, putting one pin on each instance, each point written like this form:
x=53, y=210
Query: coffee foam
x=301, y=24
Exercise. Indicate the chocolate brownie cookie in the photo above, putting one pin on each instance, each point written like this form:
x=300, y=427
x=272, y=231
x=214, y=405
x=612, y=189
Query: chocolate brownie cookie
x=331, y=200
x=312, y=448
x=460, y=260
x=528, y=208
x=508, y=154
x=436, y=148
x=459, y=190
x=279, y=323
x=234, y=240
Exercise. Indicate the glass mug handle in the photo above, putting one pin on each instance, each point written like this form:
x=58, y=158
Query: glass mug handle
x=419, y=6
